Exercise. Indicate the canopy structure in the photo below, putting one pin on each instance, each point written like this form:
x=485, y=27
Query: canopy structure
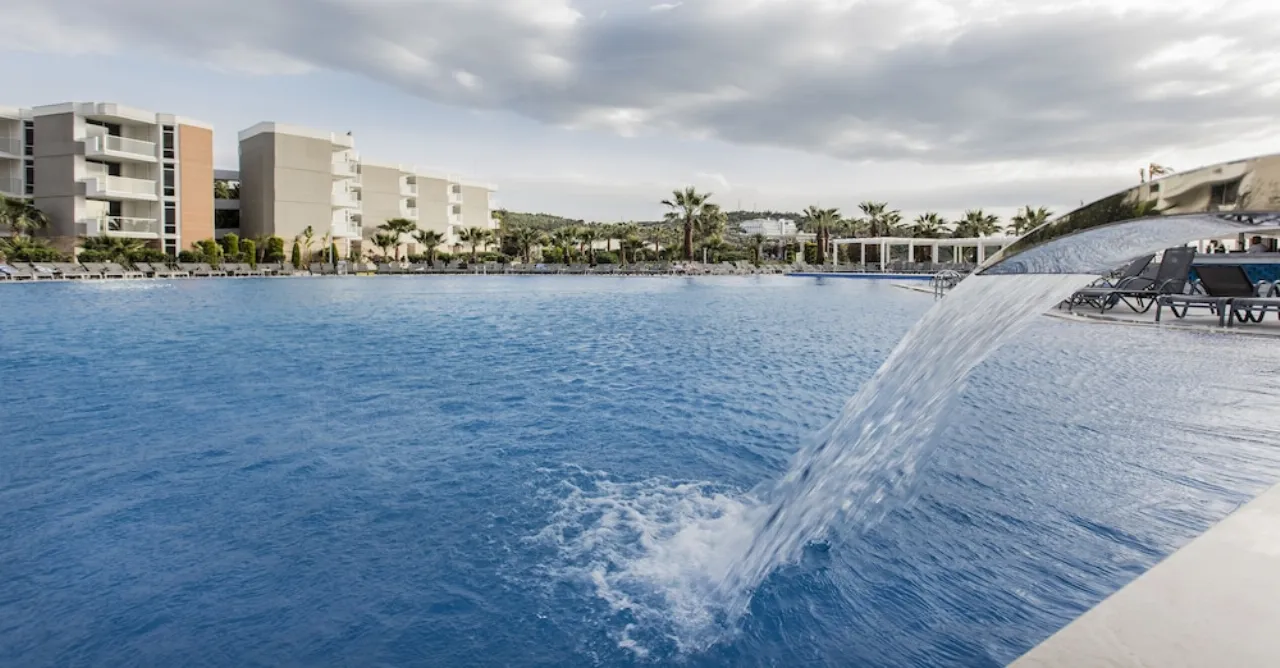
x=982, y=244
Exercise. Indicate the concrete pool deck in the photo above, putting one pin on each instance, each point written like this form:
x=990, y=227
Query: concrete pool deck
x=1215, y=602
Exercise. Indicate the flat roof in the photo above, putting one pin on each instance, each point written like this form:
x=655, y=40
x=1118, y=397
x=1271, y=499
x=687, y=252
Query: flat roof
x=268, y=127
x=114, y=111
x=948, y=241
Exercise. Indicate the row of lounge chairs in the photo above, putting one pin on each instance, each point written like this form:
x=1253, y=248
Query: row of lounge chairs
x=1222, y=290
x=36, y=271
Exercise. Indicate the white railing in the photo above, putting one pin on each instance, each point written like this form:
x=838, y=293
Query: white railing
x=344, y=226
x=119, y=225
x=345, y=199
x=11, y=145
x=408, y=189
x=346, y=168
x=121, y=185
x=455, y=197
x=105, y=144
x=11, y=186
x=410, y=212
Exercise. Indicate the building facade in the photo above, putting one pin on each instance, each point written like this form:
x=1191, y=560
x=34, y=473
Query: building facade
x=293, y=178
x=100, y=168
x=434, y=202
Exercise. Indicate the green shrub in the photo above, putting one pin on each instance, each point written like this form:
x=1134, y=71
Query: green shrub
x=249, y=249
x=275, y=250
x=148, y=255
x=231, y=244
x=606, y=257
x=296, y=258
x=183, y=256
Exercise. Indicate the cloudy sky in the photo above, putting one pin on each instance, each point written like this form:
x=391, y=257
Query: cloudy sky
x=596, y=108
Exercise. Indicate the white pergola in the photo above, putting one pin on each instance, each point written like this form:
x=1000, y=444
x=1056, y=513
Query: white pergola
x=982, y=244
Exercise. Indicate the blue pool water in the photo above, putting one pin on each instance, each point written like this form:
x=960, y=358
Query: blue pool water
x=473, y=471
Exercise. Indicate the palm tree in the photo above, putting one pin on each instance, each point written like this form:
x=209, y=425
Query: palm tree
x=880, y=220
x=757, y=241
x=525, y=238
x=711, y=222
x=429, y=239
x=587, y=236
x=1028, y=219
x=476, y=236
x=386, y=242
x=977, y=223
x=398, y=227
x=687, y=204
x=112, y=249
x=308, y=237
x=820, y=221
x=21, y=216
x=628, y=232
x=324, y=246
x=564, y=239
x=929, y=226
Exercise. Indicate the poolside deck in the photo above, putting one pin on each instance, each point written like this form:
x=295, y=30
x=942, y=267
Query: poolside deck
x=1213, y=603
x=1200, y=321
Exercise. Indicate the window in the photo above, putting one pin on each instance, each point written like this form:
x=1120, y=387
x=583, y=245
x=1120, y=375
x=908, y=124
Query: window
x=170, y=189
x=170, y=247
x=169, y=150
x=1224, y=194
x=170, y=218
x=29, y=166
x=112, y=128
x=28, y=138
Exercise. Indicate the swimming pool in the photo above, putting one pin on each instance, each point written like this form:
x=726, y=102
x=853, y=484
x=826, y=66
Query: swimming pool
x=466, y=471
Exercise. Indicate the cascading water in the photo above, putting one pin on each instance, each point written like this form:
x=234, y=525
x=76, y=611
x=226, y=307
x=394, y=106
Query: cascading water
x=867, y=457
x=687, y=557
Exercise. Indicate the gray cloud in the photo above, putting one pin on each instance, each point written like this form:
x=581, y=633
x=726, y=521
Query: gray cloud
x=870, y=80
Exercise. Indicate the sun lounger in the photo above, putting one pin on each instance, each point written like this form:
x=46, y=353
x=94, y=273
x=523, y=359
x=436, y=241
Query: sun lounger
x=14, y=273
x=101, y=269
x=114, y=268
x=43, y=271
x=71, y=270
x=1220, y=286
x=1140, y=293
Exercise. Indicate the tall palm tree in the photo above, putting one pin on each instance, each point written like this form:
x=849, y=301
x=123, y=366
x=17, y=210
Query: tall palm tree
x=525, y=238
x=820, y=221
x=929, y=226
x=880, y=220
x=977, y=223
x=1028, y=219
x=385, y=241
x=587, y=236
x=398, y=227
x=325, y=242
x=429, y=239
x=687, y=204
x=625, y=232
x=476, y=236
x=21, y=216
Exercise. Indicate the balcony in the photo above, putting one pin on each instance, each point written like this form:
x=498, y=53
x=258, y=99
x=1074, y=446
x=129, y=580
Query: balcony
x=11, y=187
x=344, y=226
x=119, y=148
x=410, y=212
x=455, y=195
x=408, y=189
x=119, y=226
x=11, y=147
x=119, y=187
x=344, y=199
x=346, y=169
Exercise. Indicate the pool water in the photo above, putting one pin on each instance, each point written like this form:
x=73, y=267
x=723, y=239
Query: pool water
x=431, y=471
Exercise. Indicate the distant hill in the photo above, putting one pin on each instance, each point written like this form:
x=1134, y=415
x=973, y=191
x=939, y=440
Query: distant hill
x=548, y=221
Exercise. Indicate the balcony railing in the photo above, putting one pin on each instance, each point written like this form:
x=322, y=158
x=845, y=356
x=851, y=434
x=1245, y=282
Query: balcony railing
x=12, y=187
x=119, y=225
x=410, y=212
x=104, y=145
x=345, y=199
x=11, y=145
x=120, y=186
x=455, y=197
x=346, y=169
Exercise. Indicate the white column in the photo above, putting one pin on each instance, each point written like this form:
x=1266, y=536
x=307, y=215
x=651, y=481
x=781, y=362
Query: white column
x=884, y=252
x=862, y=255
x=982, y=252
x=835, y=255
x=933, y=255
x=911, y=251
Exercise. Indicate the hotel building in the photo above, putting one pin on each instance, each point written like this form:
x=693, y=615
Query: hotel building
x=436, y=202
x=102, y=168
